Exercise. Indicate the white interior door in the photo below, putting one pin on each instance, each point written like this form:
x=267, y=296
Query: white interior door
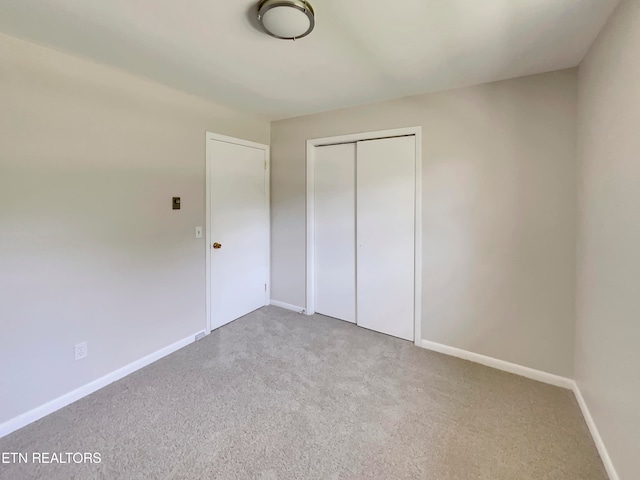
x=385, y=199
x=335, y=236
x=239, y=223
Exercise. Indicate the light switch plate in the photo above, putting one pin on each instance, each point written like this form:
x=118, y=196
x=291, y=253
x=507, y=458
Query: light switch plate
x=198, y=232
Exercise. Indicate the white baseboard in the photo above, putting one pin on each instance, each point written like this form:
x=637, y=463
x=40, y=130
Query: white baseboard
x=540, y=376
x=514, y=368
x=288, y=306
x=602, y=449
x=552, y=379
x=37, y=413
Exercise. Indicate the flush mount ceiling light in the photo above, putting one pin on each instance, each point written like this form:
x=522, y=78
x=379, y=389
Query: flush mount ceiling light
x=286, y=19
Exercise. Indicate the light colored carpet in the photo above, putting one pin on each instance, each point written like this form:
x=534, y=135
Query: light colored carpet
x=278, y=395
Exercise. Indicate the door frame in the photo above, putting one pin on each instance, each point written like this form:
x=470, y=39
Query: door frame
x=210, y=136
x=312, y=144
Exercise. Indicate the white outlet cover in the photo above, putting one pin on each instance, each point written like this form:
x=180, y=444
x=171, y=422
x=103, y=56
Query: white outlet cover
x=81, y=351
x=198, y=232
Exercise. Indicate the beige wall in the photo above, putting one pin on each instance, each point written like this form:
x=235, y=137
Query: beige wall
x=499, y=212
x=608, y=317
x=90, y=249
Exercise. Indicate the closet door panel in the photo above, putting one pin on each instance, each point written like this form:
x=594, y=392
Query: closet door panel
x=385, y=205
x=335, y=238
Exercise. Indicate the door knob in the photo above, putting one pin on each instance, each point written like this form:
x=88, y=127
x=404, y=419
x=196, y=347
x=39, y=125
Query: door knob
x=217, y=245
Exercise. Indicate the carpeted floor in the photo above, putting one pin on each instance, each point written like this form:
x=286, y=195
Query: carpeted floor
x=278, y=395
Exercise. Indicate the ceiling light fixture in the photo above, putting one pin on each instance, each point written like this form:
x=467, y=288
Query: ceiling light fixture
x=286, y=19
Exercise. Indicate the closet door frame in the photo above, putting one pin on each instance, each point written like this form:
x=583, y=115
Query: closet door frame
x=312, y=144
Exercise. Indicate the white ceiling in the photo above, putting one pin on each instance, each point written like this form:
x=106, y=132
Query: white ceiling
x=361, y=50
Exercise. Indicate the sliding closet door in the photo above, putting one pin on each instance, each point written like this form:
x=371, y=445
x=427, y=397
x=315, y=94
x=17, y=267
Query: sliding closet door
x=335, y=238
x=385, y=202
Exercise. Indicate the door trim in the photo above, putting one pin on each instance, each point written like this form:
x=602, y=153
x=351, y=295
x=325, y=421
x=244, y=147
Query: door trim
x=210, y=136
x=312, y=144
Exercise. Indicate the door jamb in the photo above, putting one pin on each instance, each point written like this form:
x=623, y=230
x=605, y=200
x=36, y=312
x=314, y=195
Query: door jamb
x=312, y=144
x=210, y=136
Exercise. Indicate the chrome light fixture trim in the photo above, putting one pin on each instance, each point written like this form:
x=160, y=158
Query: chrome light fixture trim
x=302, y=5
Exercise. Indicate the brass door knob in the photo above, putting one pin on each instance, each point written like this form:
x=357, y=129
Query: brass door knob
x=217, y=245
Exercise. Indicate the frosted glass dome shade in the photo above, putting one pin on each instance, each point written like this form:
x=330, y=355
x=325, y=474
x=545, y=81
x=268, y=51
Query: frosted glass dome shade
x=286, y=19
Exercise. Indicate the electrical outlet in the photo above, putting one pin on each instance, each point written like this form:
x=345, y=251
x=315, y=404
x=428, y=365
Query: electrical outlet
x=198, y=232
x=81, y=350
